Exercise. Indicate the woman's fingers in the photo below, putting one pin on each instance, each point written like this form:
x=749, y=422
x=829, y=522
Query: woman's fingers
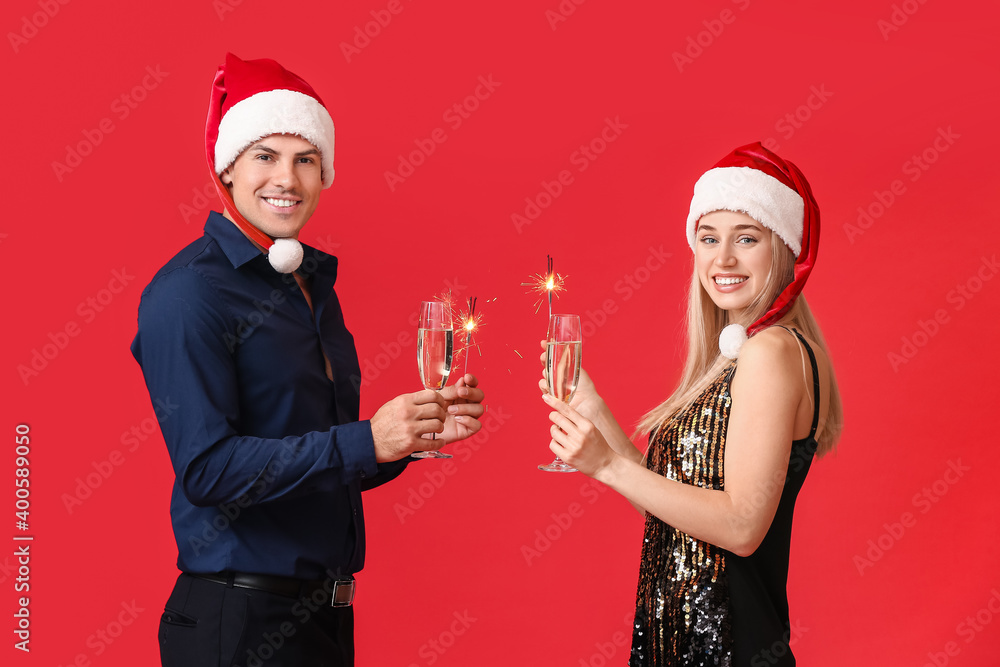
x=564, y=423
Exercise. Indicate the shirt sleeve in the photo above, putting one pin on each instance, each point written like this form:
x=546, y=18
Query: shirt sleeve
x=181, y=346
x=386, y=473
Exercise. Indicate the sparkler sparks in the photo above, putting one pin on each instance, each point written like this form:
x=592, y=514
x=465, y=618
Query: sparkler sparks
x=469, y=321
x=545, y=285
x=446, y=298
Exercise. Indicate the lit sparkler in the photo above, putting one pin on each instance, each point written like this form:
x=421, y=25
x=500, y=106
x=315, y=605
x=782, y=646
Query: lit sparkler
x=546, y=284
x=469, y=322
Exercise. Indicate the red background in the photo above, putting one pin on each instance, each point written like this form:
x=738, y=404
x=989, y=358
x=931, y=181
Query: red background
x=880, y=94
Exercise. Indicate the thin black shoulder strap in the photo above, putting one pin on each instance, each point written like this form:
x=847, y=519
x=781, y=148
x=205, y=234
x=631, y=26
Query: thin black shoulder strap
x=815, y=370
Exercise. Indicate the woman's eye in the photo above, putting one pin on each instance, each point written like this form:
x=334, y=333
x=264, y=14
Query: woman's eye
x=747, y=240
x=707, y=239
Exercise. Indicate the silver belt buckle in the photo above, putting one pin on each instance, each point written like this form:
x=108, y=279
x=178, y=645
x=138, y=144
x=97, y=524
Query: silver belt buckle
x=343, y=594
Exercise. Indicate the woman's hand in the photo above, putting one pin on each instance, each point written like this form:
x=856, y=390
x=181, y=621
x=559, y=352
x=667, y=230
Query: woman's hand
x=585, y=400
x=576, y=440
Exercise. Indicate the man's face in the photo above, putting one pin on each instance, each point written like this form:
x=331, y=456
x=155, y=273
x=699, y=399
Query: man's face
x=276, y=184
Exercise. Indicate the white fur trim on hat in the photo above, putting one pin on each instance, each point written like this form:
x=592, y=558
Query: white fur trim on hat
x=275, y=112
x=746, y=190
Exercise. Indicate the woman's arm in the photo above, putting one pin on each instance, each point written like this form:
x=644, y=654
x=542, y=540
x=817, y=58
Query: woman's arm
x=766, y=393
x=612, y=432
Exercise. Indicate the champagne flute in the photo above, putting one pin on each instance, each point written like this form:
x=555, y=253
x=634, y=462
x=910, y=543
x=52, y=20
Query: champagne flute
x=435, y=342
x=562, y=367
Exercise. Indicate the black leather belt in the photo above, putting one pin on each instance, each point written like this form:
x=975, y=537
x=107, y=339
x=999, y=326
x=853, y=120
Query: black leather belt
x=335, y=592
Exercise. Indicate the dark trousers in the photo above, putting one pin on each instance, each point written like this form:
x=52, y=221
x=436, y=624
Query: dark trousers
x=210, y=624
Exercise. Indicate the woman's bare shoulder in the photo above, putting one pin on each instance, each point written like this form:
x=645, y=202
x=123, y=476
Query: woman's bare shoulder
x=778, y=342
x=777, y=352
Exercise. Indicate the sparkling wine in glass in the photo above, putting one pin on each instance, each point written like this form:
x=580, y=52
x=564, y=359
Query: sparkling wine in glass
x=435, y=344
x=562, y=367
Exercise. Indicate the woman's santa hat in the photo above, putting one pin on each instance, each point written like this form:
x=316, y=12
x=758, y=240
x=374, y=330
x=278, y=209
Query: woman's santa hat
x=252, y=99
x=775, y=193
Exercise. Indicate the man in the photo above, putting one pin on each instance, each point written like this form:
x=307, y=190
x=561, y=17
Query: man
x=268, y=451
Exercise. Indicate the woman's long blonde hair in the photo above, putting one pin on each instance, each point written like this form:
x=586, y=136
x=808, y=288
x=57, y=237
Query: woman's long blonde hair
x=704, y=362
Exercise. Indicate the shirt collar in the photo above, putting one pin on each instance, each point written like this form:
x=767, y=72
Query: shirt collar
x=320, y=267
x=237, y=247
x=240, y=250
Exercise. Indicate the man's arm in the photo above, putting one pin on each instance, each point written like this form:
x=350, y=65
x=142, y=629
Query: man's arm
x=182, y=348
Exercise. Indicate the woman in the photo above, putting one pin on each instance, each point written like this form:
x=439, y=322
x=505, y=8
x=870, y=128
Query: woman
x=730, y=448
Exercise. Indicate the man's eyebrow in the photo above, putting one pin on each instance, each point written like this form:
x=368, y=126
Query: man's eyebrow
x=271, y=151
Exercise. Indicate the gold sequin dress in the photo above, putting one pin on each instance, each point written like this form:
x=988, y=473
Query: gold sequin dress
x=698, y=604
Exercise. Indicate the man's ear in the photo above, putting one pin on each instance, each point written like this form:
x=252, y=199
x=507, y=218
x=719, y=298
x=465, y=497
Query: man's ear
x=226, y=178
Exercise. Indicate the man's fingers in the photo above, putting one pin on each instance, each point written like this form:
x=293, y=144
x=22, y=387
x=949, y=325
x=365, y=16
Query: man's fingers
x=428, y=426
x=471, y=424
x=472, y=395
x=428, y=396
x=426, y=444
x=429, y=411
x=476, y=410
x=462, y=392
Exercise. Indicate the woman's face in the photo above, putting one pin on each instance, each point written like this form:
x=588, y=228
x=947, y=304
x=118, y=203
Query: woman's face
x=733, y=258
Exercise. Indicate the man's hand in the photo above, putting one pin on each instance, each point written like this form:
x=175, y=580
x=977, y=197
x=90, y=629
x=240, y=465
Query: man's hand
x=404, y=425
x=464, y=404
x=398, y=425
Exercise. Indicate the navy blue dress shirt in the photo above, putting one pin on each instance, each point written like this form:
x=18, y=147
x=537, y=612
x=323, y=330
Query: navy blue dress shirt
x=268, y=453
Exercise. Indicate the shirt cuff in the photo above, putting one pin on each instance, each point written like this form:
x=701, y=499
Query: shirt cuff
x=356, y=446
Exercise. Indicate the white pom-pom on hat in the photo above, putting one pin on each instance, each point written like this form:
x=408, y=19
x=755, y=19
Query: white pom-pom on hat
x=731, y=340
x=285, y=255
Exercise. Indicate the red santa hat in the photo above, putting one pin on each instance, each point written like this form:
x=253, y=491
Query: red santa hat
x=253, y=99
x=775, y=193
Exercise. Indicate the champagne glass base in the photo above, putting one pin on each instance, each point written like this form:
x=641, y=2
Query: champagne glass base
x=431, y=455
x=557, y=466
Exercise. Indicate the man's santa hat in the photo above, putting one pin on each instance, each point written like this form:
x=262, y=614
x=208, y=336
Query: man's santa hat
x=775, y=193
x=253, y=99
